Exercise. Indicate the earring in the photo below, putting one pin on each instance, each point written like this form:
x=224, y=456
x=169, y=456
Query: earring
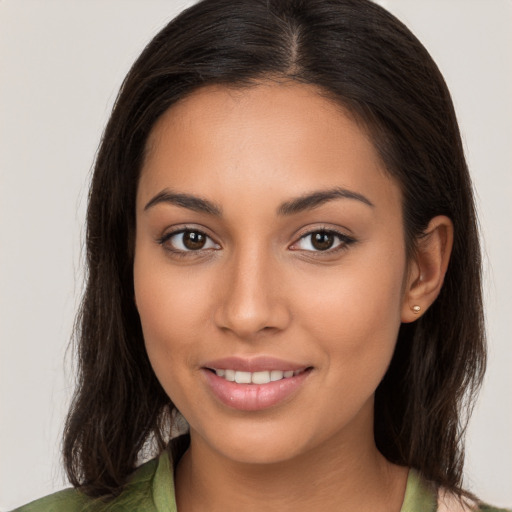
x=416, y=309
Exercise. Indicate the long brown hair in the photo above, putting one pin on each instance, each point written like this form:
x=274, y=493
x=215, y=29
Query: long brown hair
x=361, y=56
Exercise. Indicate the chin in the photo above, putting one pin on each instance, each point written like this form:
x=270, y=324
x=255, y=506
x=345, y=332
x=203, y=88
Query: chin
x=259, y=444
x=260, y=453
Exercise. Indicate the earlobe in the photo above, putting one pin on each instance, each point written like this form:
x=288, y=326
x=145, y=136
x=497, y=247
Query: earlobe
x=428, y=269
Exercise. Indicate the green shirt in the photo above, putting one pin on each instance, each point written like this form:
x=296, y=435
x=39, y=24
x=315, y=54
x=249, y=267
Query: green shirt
x=151, y=489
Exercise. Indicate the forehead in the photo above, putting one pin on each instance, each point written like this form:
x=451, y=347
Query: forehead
x=286, y=106
x=286, y=138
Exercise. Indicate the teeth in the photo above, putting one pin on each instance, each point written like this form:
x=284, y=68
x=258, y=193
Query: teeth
x=260, y=377
x=243, y=377
x=256, y=377
x=276, y=375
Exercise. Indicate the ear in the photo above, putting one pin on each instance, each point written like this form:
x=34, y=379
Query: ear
x=427, y=268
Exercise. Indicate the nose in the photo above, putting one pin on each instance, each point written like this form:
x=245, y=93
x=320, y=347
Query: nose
x=251, y=298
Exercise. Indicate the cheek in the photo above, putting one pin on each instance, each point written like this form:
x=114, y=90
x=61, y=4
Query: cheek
x=365, y=288
x=168, y=297
x=356, y=317
x=172, y=311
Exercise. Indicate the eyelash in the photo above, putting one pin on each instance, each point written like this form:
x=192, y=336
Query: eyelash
x=343, y=239
x=181, y=252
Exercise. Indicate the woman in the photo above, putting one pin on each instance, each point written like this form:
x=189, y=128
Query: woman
x=282, y=246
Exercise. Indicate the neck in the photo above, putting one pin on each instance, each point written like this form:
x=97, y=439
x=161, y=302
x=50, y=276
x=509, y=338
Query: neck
x=343, y=474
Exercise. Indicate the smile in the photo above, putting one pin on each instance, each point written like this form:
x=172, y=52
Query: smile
x=263, y=377
x=247, y=390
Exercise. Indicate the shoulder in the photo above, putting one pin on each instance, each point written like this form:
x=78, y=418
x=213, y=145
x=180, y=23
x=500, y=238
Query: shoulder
x=424, y=495
x=487, y=508
x=66, y=500
x=137, y=495
x=447, y=502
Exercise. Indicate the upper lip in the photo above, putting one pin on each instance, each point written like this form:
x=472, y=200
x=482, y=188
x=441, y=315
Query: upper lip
x=253, y=364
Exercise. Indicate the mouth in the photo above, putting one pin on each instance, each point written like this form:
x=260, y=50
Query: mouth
x=254, y=384
x=258, y=378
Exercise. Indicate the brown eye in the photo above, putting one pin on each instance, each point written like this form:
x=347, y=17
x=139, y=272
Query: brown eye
x=194, y=240
x=187, y=240
x=322, y=240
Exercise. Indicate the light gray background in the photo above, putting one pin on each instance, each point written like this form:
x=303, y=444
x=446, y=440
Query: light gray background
x=61, y=64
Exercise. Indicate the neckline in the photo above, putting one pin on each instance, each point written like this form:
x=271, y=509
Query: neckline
x=419, y=495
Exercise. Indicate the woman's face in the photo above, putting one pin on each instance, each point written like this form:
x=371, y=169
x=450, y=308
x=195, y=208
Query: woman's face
x=269, y=250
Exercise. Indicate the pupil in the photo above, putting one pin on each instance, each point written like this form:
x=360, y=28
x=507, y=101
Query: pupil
x=322, y=240
x=193, y=240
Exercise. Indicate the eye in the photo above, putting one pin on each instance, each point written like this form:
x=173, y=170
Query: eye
x=322, y=241
x=187, y=240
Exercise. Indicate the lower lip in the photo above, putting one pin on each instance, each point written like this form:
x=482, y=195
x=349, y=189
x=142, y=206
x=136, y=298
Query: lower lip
x=254, y=397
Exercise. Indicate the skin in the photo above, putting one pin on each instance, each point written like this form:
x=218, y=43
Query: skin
x=259, y=287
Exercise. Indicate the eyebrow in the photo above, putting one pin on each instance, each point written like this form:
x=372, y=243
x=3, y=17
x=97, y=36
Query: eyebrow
x=318, y=198
x=294, y=206
x=197, y=204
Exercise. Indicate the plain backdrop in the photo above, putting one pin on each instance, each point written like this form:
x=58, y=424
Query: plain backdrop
x=61, y=64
